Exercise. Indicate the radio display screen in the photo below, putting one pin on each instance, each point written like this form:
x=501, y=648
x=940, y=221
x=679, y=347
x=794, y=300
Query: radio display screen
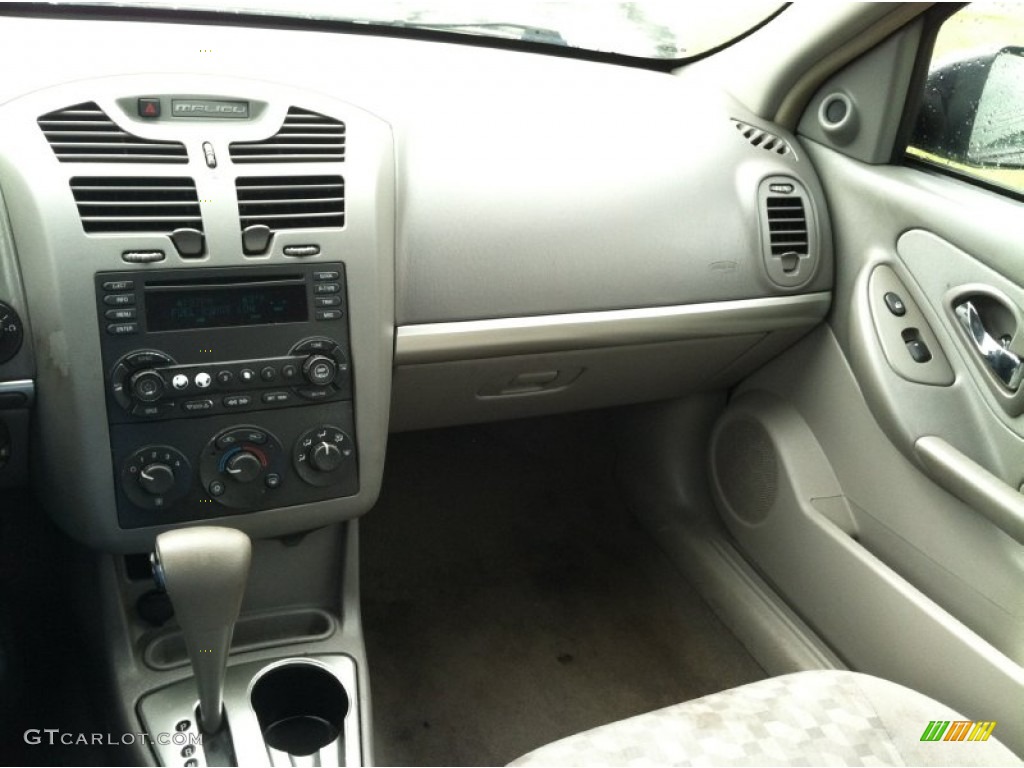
x=188, y=308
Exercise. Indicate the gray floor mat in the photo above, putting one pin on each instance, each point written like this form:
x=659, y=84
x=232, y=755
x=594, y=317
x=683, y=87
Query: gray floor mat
x=509, y=599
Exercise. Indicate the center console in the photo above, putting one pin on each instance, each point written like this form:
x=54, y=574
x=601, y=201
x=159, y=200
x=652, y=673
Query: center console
x=212, y=324
x=228, y=390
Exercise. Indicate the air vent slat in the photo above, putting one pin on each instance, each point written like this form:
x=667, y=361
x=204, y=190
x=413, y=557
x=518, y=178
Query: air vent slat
x=291, y=202
x=304, y=137
x=109, y=205
x=787, y=225
x=763, y=139
x=84, y=133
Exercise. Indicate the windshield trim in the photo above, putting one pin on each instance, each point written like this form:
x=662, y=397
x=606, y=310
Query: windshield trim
x=226, y=17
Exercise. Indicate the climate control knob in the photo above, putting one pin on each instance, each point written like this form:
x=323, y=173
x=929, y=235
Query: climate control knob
x=156, y=479
x=319, y=370
x=243, y=467
x=326, y=457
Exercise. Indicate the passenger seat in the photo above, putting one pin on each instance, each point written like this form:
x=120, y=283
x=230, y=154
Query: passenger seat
x=807, y=718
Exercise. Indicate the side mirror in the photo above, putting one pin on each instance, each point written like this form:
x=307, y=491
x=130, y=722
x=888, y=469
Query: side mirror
x=973, y=111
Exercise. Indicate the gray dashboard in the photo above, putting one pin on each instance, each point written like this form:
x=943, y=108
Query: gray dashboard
x=522, y=234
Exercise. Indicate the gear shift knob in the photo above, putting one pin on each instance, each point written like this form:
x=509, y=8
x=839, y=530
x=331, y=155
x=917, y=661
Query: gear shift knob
x=204, y=570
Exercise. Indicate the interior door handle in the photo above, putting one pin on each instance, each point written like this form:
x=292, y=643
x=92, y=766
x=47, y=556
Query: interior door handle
x=973, y=484
x=1004, y=363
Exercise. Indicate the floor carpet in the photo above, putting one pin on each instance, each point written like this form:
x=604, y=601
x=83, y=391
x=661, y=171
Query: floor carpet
x=510, y=599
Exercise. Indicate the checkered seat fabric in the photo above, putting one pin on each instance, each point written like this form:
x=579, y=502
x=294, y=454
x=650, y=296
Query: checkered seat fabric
x=821, y=718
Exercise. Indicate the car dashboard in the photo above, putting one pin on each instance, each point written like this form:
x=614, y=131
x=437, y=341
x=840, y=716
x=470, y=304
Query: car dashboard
x=202, y=215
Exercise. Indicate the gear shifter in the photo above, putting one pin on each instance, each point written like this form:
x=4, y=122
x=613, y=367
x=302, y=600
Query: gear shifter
x=204, y=570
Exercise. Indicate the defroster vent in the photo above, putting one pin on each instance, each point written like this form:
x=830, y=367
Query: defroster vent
x=84, y=134
x=130, y=204
x=305, y=137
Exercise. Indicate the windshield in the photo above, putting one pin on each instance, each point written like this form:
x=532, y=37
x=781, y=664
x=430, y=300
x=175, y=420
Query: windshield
x=658, y=29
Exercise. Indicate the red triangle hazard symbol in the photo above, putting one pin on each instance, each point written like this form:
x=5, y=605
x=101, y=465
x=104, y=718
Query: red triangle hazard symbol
x=150, y=109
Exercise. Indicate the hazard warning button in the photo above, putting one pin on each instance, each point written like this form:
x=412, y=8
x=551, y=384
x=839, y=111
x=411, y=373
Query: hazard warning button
x=149, y=108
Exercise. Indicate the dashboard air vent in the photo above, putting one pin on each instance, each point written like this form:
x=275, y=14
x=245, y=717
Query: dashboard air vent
x=787, y=224
x=111, y=204
x=305, y=137
x=84, y=134
x=762, y=139
x=789, y=237
x=291, y=202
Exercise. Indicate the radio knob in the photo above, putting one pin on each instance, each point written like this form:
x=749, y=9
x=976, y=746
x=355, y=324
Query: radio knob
x=319, y=370
x=326, y=457
x=147, y=386
x=244, y=467
x=156, y=479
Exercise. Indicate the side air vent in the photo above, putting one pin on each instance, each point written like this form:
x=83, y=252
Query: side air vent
x=110, y=204
x=787, y=225
x=305, y=137
x=788, y=235
x=84, y=134
x=763, y=139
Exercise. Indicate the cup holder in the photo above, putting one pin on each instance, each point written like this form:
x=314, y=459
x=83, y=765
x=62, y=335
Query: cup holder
x=300, y=707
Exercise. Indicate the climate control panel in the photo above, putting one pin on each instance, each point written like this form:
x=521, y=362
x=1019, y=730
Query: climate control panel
x=292, y=456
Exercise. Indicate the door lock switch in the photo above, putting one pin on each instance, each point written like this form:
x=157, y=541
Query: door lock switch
x=895, y=304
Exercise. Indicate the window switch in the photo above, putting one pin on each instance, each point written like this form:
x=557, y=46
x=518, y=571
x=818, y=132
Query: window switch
x=919, y=351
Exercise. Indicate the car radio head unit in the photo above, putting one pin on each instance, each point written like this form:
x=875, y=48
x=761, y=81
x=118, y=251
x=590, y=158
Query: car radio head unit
x=228, y=389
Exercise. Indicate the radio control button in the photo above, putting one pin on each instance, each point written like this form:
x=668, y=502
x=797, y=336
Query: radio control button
x=148, y=386
x=120, y=396
x=119, y=314
x=314, y=345
x=328, y=314
x=237, y=401
x=121, y=299
x=147, y=359
x=180, y=381
x=320, y=276
x=247, y=375
x=315, y=393
x=268, y=373
x=122, y=329
x=328, y=301
x=203, y=380
x=327, y=288
x=197, y=405
x=225, y=377
x=277, y=398
x=290, y=371
x=119, y=285
x=152, y=411
x=320, y=370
